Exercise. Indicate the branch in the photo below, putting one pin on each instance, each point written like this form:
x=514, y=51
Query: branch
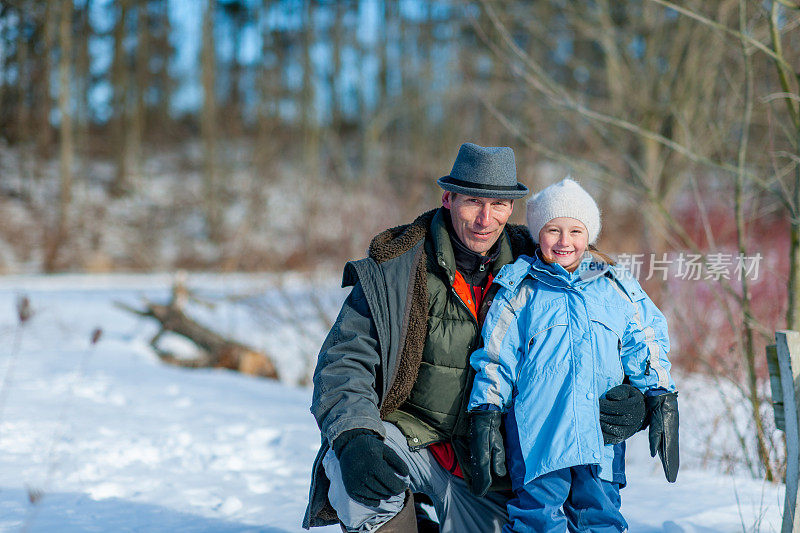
x=782, y=67
x=559, y=96
x=733, y=33
x=788, y=4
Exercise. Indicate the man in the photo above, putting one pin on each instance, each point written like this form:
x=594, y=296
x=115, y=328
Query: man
x=393, y=376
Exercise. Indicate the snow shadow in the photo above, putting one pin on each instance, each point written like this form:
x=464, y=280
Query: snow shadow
x=670, y=527
x=76, y=512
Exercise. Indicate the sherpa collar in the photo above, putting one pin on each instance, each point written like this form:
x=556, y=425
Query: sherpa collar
x=396, y=241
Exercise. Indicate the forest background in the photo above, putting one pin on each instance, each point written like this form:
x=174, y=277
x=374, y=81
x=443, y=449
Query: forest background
x=280, y=135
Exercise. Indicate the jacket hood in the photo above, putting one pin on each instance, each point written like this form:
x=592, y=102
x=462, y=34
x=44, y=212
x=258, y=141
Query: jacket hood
x=395, y=241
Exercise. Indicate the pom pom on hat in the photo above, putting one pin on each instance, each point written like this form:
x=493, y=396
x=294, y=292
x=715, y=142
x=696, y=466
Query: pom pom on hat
x=563, y=199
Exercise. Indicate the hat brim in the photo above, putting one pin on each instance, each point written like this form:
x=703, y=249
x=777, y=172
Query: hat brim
x=505, y=193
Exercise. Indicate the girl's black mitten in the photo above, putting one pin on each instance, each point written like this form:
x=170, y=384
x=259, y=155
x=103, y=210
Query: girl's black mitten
x=663, y=413
x=622, y=413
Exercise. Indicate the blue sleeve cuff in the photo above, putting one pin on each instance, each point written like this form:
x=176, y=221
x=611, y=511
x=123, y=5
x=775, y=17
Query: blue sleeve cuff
x=486, y=407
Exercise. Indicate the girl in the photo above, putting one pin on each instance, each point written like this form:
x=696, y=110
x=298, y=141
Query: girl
x=565, y=327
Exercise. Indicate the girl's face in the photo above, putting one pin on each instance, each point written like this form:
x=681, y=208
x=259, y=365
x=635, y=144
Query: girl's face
x=564, y=240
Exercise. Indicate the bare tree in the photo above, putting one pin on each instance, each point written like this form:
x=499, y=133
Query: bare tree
x=308, y=108
x=120, y=87
x=138, y=123
x=24, y=85
x=335, y=79
x=44, y=106
x=66, y=136
x=83, y=77
x=208, y=123
x=237, y=14
x=790, y=96
x=162, y=51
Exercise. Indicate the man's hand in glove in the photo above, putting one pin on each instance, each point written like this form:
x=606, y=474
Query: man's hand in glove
x=486, y=449
x=622, y=413
x=662, y=411
x=371, y=471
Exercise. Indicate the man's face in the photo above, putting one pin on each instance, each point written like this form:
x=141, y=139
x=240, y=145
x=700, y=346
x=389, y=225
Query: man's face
x=478, y=222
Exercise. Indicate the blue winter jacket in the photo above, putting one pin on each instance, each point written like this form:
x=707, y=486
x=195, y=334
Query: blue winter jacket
x=554, y=342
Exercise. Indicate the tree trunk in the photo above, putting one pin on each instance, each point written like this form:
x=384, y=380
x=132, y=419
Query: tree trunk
x=793, y=109
x=5, y=63
x=234, y=119
x=24, y=99
x=209, y=125
x=336, y=69
x=793, y=288
x=269, y=95
x=219, y=352
x=142, y=73
x=383, y=57
x=309, y=128
x=119, y=83
x=162, y=49
x=44, y=106
x=83, y=79
x=748, y=346
x=65, y=146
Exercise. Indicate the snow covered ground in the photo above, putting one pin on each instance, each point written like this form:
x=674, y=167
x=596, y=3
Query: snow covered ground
x=106, y=438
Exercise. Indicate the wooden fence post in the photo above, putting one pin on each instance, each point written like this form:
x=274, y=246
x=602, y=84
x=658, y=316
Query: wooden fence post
x=787, y=350
x=775, y=385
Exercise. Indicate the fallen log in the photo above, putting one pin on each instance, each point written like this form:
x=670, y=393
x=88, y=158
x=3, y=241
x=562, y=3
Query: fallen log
x=218, y=351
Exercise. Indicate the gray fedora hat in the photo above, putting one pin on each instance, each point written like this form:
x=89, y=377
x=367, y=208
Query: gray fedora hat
x=484, y=172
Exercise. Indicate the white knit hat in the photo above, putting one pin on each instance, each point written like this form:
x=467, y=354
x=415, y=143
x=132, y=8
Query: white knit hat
x=563, y=199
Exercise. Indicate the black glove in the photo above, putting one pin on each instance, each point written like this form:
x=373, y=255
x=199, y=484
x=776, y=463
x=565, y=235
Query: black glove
x=371, y=471
x=622, y=413
x=663, y=413
x=486, y=449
